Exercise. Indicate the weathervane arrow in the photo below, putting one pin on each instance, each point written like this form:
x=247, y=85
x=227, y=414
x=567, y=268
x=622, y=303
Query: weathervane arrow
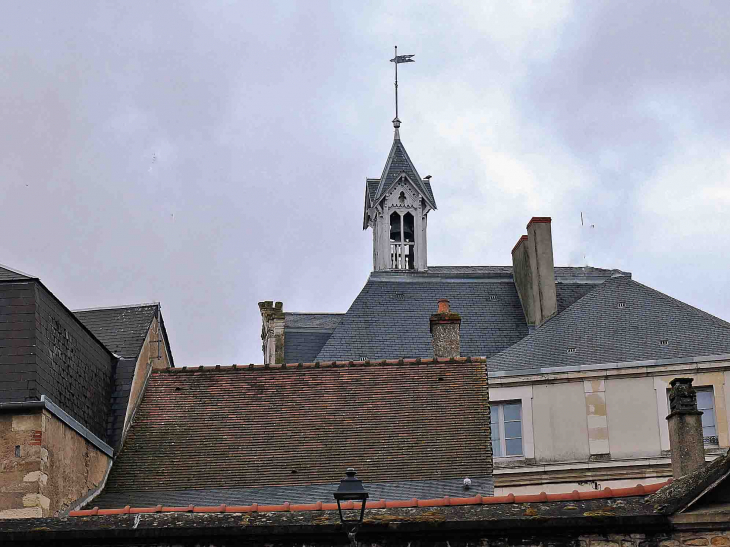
x=398, y=59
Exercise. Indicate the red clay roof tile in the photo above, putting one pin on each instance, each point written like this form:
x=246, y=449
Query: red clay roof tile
x=542, y=497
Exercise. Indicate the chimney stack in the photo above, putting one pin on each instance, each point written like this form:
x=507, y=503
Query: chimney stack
x=445, y=326
x=685, y=428
x=272, y=331
x=534, y=272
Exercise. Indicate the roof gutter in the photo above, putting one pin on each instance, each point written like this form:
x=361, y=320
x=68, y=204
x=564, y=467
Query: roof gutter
x=46, y=404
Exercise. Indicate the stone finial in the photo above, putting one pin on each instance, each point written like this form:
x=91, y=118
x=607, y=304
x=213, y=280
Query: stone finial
x=682, y=396
x=272, y=331
x=445, y=327
x=685, y=428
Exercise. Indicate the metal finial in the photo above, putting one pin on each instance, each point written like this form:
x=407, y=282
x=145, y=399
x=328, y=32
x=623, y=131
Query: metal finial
x=397, y=59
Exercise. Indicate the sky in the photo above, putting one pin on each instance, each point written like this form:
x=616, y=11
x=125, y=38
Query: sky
x=211, y=155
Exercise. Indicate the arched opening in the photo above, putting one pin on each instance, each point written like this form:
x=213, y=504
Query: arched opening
x=408, y=242
x=395, y=228
x=402, y=241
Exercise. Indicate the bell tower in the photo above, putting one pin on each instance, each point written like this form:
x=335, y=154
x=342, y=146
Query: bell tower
x=397, y=204
x=396, y=208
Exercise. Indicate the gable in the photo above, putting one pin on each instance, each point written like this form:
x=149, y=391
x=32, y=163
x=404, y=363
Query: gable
x=398, y=164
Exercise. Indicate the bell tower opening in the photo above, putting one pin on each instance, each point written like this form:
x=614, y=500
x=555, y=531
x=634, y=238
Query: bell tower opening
x=402, y=241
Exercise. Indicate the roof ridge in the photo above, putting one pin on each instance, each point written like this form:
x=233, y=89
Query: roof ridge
x=314, y=312
x=324, y=364
x=542, y=497
x=100, y=308
x=18, y=272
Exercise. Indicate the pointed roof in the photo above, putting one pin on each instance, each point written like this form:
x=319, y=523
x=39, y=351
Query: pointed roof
x=398, y=164
x=618, y=322
x=8, y=274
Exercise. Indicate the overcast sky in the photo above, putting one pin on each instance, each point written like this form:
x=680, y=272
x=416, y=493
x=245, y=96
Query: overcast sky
x=209, y=155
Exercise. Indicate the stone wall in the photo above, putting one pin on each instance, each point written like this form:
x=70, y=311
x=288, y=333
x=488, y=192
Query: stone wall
x=563, y=537
x=45, y=466
x=717, y=538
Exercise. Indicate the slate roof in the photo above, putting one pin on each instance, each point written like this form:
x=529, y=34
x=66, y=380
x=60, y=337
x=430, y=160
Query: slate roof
x=295, y=320
x=305, y=334
x=122, y=329
x=390, y=316
x=603, y=332
x=297, y=425
x=8, y=274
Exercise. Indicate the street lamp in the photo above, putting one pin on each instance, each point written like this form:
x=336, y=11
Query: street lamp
x=351, y=489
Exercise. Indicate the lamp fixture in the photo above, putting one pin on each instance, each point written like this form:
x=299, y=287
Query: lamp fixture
x=351, y=489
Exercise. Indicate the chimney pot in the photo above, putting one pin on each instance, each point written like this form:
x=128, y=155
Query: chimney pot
x=685, y=428
x=444, y=305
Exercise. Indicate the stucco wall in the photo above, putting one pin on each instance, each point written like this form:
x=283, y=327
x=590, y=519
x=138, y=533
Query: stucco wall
x=559, y=422
x=633, y=422
x=44, y=465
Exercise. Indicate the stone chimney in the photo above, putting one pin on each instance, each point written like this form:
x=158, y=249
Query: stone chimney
x=534, y=272
x=685, y=428
x=445, y=326
x=272, y=331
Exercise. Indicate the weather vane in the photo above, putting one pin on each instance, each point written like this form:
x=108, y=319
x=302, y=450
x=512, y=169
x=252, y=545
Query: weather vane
x=397, y=60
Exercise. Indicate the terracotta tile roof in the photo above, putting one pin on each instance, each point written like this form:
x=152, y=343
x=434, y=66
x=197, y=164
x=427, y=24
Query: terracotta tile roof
x=542, y=497
x=302, y=424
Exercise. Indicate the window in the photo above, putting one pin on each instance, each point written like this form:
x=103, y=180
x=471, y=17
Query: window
x=506, y=429
x=706, y=403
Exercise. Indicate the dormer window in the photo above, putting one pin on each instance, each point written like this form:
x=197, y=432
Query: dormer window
x=402, y=240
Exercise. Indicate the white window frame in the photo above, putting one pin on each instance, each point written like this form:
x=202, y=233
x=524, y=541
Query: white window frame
x=524, y=395
x=721, y=394
x=498, y=410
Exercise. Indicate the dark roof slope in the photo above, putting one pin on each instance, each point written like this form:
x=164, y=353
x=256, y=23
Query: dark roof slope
x=687, y=490
x=291, y=426
x=620, y=321
x=122, y=329
x=390, y=316
x=305, y=334
x=8, y=274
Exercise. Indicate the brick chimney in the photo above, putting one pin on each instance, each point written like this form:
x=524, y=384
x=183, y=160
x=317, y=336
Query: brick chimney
x=445, y=326
x=534, y=272
x=272, y=331
x=685, y=428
